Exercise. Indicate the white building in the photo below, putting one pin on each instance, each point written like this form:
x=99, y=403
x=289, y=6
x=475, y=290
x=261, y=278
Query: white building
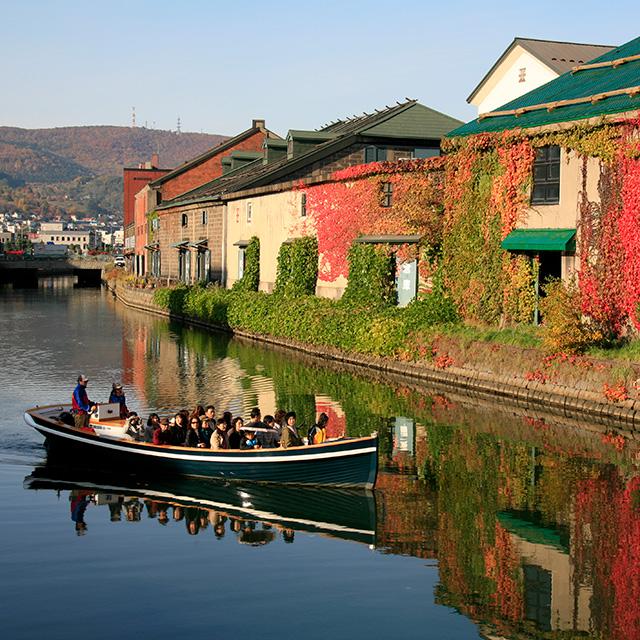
x=526, y=65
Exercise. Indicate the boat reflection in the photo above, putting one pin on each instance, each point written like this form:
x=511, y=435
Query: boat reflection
x=257, y=514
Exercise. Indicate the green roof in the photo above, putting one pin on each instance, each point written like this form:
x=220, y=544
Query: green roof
x=540, y=240
x=608, y=85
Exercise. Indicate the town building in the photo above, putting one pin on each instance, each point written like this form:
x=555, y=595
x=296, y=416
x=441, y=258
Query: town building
x=203, y=234
x=527, y=64
x=201, y=170
x=59, y=233
x=580, y=216
x=136, y=179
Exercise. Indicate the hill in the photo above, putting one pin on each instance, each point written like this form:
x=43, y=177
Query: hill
x=83, y=166
x=43, y=155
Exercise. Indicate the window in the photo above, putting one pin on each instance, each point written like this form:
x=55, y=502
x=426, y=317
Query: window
x=204, y=217
x=426, y=152
x=387, y=194
x=375, y=154
x=303, y=206
x=185, y=219
x=249, y=211
x=546, y=176
x=155, y=224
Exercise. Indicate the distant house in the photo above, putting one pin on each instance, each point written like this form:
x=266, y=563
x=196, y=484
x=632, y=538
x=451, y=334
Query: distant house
x=527, y=64
x=262, y=195
x=171, y=184
x=136, y=179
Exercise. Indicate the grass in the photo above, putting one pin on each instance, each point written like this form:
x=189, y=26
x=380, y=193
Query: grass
x=517, y=336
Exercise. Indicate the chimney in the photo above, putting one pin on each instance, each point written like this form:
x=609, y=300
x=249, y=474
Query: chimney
x=258, y=124
x=155, y=161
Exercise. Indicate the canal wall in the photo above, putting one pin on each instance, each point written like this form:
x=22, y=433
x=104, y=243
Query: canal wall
x=603, y=392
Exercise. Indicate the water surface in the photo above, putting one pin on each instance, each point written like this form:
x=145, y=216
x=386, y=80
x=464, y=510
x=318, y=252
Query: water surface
x=486, y=520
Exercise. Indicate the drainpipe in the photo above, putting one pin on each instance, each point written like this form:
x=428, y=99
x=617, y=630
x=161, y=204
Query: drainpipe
x=536, y=312
x=223, y=275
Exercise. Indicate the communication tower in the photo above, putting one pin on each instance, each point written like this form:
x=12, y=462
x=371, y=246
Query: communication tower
x=133, y=118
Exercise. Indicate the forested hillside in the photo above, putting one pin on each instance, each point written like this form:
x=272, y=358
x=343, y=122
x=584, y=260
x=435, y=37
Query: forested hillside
x=47, y=172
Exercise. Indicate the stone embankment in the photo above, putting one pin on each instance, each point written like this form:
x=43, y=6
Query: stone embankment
x=602, y=392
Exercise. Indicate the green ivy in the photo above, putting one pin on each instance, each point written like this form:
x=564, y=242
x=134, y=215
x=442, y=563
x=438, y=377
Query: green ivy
x=297, y=272
x=383, y=330
x=371, y=280
x=250, y=280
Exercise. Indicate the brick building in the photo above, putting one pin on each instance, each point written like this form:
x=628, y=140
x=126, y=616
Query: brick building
x=171, y=184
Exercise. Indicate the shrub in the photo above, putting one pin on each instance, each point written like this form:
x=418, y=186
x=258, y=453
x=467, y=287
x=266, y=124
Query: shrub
x=565, y=330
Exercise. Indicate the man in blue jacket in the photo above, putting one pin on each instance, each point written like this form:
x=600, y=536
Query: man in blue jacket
x=82, y=406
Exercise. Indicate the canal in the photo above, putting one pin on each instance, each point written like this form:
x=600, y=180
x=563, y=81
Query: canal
x=486, y=521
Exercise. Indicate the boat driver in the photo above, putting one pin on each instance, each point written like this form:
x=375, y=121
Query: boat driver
x=82, y=406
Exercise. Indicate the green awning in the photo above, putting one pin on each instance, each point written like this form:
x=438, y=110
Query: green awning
x=182, y=243
x=540, y=240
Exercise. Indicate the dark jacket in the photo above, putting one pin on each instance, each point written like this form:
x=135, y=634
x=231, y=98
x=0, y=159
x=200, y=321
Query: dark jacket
x=194, y=438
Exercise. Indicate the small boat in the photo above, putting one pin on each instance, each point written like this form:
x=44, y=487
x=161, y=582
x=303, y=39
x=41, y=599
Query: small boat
x=344, y=462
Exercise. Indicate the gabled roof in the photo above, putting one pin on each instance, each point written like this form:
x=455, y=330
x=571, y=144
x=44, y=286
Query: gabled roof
x=409, y=120
x=560, y=57
x=219, y=149
x=606, y=86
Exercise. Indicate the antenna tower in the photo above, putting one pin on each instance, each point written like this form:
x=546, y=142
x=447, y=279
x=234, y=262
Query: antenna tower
x=178, y=127
x=133, y=118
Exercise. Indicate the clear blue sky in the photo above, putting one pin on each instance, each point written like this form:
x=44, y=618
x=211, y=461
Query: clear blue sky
x=217, y=65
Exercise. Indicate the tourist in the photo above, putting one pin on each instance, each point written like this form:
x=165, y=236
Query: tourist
x=206, y=429
x=117, y=395
x=249, y=440
x=271, y=425
x=318, y=433
x=134, y=427
x=197, y=411
x=153, y=422
x=219, y=438
x=179, y=427
x=193, y=437
x=290, y=436
x=278, y=417
x=266, y=437
x=210, y=412
x=162, y=435
x=82, y=406
x=235, y=435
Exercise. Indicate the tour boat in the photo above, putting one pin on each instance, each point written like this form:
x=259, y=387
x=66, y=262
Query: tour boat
x=343, y=462
x=344, y=513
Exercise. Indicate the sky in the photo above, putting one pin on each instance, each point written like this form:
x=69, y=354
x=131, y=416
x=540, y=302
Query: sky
x=215, y=66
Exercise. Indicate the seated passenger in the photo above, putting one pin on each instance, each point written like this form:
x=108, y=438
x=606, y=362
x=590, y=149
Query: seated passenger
x=193, y=437
x=153, y=422
x=219, y=438
x=290, y=436
x=134, y=427
x=206, y=429
x=318, y=433
x=235, y=435
x=179, y=427
x=249, y=440
x=272, y=439
x=117, y=395
x=162, y=435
